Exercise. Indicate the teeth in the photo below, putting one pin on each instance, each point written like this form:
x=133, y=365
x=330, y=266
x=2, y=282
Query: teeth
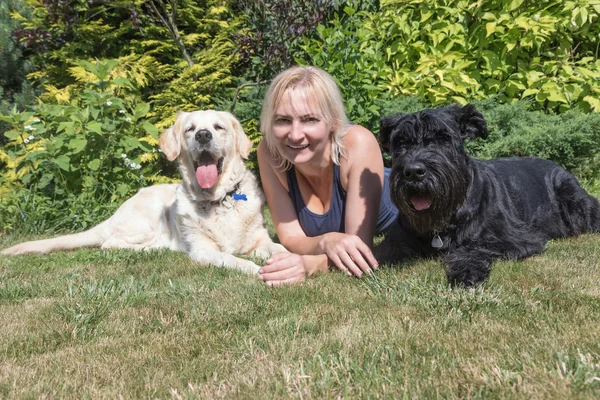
x=297, y=147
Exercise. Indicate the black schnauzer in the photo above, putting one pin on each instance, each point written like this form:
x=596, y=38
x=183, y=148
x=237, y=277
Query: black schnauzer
x=473, y=211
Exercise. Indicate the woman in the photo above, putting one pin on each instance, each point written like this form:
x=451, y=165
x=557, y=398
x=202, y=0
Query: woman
x=323, y=179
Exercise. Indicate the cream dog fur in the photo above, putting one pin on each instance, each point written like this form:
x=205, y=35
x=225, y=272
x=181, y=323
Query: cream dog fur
x=213, y=214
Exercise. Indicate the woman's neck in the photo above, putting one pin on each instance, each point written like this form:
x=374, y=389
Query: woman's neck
x=315, y=174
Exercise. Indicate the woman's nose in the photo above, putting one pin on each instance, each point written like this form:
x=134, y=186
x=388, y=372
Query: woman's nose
x=296, y=131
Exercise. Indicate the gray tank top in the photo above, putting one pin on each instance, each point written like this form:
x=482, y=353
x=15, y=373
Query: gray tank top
x=333, y=220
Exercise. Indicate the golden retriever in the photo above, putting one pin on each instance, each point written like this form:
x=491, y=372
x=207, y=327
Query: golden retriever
x=213, y=214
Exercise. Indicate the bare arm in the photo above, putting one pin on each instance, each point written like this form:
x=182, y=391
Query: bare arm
x=285, y=219
x=364, y=171
x=361, y=173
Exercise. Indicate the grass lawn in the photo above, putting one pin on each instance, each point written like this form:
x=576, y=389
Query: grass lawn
x=94, y=323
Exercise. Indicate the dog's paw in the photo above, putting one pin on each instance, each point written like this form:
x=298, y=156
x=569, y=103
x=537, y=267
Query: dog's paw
x=19, y=249
x=466, y=277
x=249, y=267
x=278, y=248
x=261, y=253
x=267, y=251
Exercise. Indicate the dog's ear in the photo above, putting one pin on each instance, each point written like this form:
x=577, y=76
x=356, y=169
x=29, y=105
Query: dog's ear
x=171, y=139
x=242, y=142
x=471, y=122
x=386, y=126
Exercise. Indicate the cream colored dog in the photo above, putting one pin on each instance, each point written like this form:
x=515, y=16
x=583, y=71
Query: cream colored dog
x=214, y=213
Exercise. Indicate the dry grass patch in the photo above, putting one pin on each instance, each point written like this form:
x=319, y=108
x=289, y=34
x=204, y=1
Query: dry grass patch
x=107, y=324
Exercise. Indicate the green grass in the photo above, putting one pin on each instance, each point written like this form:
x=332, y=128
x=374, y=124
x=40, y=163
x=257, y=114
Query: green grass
x=94, y=323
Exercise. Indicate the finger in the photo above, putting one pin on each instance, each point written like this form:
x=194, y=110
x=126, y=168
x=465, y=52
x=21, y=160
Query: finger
x=335, y=259
x=281, y=274
x=347, y=261
x=290, y=281
x=359, y=260
x=278, y=265
x=278, y=256
x=371, y=259
x=368, y=255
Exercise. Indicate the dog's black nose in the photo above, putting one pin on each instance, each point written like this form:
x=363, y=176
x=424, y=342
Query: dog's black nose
x=415, y=171
x=203, y=136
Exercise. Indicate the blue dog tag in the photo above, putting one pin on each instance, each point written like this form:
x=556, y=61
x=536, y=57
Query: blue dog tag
x=240, y=196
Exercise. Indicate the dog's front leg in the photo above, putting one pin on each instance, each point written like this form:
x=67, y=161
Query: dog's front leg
x=267, y=249
x=468, y=266
x=219, y=259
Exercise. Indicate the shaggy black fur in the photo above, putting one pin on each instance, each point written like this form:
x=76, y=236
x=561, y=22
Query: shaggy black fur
x=472, y=211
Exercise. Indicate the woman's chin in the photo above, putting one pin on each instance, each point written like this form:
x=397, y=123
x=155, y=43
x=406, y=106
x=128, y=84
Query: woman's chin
x=298, y=156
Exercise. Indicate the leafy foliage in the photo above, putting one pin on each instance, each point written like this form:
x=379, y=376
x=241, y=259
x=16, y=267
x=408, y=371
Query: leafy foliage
x=153, y=58
x=273, y=31
x=14, y=87
x=570, y=139
x=92, y=144
x=184, y=46
x=457, y=50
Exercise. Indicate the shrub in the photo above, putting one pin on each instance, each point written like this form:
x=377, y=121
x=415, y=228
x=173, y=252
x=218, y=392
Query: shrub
x=457, y=51
x=86, y=152
x=570, y=139
x=183, y=46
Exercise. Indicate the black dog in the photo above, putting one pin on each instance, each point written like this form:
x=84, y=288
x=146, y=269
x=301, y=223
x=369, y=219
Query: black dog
x=473, y=211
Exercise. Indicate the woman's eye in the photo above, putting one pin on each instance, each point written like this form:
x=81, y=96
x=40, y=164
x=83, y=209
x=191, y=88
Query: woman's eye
x=311, y=120
x=281, y=121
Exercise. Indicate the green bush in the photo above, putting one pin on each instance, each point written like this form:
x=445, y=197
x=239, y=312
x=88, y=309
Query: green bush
x=183, y=48
x=85, y=153
x=458, y=50
x=570, y=139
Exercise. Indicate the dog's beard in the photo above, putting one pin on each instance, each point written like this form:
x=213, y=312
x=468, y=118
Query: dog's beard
x=431, y=203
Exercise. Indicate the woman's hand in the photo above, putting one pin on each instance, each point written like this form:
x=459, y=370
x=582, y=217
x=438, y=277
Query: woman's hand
x=283, y=268
x=349, y=253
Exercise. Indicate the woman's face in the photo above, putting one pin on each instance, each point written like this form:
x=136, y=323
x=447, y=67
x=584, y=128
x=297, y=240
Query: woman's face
x=300, y=134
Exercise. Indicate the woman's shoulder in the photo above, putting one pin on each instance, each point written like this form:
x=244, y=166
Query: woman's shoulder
x=359, y=139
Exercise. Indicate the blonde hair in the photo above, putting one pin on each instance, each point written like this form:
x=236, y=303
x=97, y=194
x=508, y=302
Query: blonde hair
x=317, y=85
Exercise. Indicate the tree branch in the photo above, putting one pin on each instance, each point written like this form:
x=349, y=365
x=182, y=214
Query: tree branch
x=171, y=26
x=237, y=92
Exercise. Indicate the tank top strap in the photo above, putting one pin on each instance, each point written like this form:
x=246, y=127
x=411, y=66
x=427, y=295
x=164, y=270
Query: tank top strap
x=337, y=183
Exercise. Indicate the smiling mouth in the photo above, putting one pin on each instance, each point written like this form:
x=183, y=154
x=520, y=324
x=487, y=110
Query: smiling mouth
x=208, y=168
x=297, y=147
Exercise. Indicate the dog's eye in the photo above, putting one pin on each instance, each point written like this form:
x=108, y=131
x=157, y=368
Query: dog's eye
x=399, y=149
x=190, y=128
x=219, y=127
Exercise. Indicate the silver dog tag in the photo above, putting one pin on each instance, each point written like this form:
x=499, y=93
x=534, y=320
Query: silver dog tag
x=436, y=242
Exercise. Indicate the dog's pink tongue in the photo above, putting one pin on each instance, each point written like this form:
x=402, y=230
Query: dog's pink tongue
x=207, y=175
x=420, y=202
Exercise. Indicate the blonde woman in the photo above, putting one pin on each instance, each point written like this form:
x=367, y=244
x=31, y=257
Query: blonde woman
x=323, y=180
